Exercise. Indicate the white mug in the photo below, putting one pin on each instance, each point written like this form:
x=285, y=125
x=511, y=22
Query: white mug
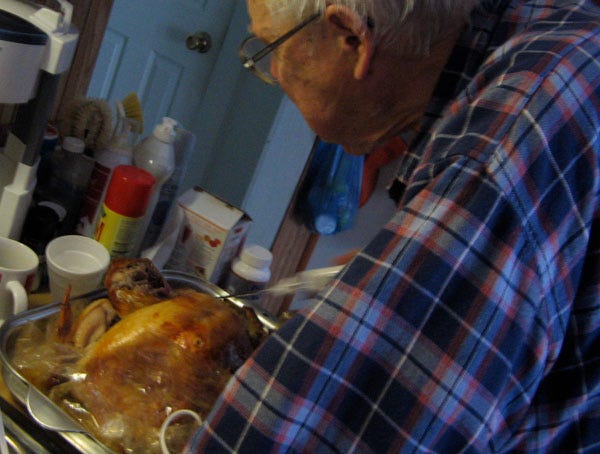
x=18, y=271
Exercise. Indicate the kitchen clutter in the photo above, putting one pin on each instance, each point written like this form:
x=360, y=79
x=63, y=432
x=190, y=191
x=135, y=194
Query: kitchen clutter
x=75, y=170
x=122, y=189
x=97, y=172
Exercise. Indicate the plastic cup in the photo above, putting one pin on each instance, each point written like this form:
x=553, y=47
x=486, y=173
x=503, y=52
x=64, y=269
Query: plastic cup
x=75, y=260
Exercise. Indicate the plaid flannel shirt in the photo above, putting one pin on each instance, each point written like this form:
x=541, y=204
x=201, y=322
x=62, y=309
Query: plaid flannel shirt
x=471, y=322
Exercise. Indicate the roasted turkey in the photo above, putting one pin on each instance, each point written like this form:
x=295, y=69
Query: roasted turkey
x=174, y=350
x=134, y=283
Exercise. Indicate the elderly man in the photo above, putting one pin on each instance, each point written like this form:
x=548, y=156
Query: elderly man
x=471, y=322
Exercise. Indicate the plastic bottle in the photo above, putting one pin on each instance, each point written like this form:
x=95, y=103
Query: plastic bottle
x=106, y=160
x=250, y=271
x=69, y=172
x=183, y=146
x=156, y=155
x=123, y=210
x=331, y=195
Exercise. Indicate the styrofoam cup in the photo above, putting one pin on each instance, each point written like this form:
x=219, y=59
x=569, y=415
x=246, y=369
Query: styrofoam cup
x=75, y=260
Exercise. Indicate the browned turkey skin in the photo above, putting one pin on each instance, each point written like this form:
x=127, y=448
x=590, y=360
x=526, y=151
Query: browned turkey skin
x=171, y=355
x=134, y=283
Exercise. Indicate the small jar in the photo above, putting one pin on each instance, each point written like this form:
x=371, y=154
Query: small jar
x=250, y=272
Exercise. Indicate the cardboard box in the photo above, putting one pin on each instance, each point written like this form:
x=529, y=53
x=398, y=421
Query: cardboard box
x=212, y=235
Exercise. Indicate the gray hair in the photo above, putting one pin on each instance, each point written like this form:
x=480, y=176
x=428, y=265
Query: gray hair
x=411, y=24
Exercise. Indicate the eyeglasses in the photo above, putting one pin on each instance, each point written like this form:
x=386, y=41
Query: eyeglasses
x=256, y=56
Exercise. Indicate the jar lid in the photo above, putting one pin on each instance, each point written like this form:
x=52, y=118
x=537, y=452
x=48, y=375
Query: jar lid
x=129, y=191
x=256, y=256
x=51, y=132
x=325, y=224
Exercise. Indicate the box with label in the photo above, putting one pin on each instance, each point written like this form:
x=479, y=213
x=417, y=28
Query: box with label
x=212, y=234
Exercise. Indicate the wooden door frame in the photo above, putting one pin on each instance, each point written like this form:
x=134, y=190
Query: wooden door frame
x=91, y=19
x=293, y=244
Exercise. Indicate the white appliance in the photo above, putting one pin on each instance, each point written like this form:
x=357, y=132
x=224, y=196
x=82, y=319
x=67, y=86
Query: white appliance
x=37, y=45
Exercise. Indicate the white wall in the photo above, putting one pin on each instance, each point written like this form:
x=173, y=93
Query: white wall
x=275, y=177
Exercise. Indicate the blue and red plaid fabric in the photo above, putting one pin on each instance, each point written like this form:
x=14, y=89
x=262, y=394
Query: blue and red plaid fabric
x=471, y=322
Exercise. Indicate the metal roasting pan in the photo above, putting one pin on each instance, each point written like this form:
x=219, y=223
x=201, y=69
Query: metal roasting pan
x=45, y=412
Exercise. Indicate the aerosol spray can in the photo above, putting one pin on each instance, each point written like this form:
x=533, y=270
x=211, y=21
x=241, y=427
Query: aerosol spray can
x=123, y=210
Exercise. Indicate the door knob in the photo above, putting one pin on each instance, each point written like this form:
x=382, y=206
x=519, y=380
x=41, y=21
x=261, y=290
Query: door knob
x=199, y=41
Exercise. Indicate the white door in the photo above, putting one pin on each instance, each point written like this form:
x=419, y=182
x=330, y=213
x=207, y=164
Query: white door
x=144, y=50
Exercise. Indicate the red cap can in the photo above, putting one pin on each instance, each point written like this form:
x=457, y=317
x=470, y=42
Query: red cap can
x=129, y=191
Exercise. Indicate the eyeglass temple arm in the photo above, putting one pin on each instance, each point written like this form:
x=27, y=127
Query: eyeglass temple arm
x=269, y=47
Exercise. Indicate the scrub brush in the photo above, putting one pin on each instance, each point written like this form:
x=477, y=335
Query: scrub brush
x=88, y=119
x=133, y=109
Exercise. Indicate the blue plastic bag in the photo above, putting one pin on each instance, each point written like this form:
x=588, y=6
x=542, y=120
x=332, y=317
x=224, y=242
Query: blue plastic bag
x=329, y=198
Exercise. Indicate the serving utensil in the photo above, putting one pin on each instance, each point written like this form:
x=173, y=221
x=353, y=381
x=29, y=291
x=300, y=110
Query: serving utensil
x=306, y=281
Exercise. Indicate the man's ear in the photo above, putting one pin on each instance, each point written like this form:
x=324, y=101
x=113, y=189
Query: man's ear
x=356, y=34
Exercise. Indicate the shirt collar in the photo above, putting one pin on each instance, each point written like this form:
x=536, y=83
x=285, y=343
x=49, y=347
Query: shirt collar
x=473, y=46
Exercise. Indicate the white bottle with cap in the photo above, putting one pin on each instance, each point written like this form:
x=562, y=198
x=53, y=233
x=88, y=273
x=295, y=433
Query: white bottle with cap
x=250, y=271
x=183, y=146
x=156, y=155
